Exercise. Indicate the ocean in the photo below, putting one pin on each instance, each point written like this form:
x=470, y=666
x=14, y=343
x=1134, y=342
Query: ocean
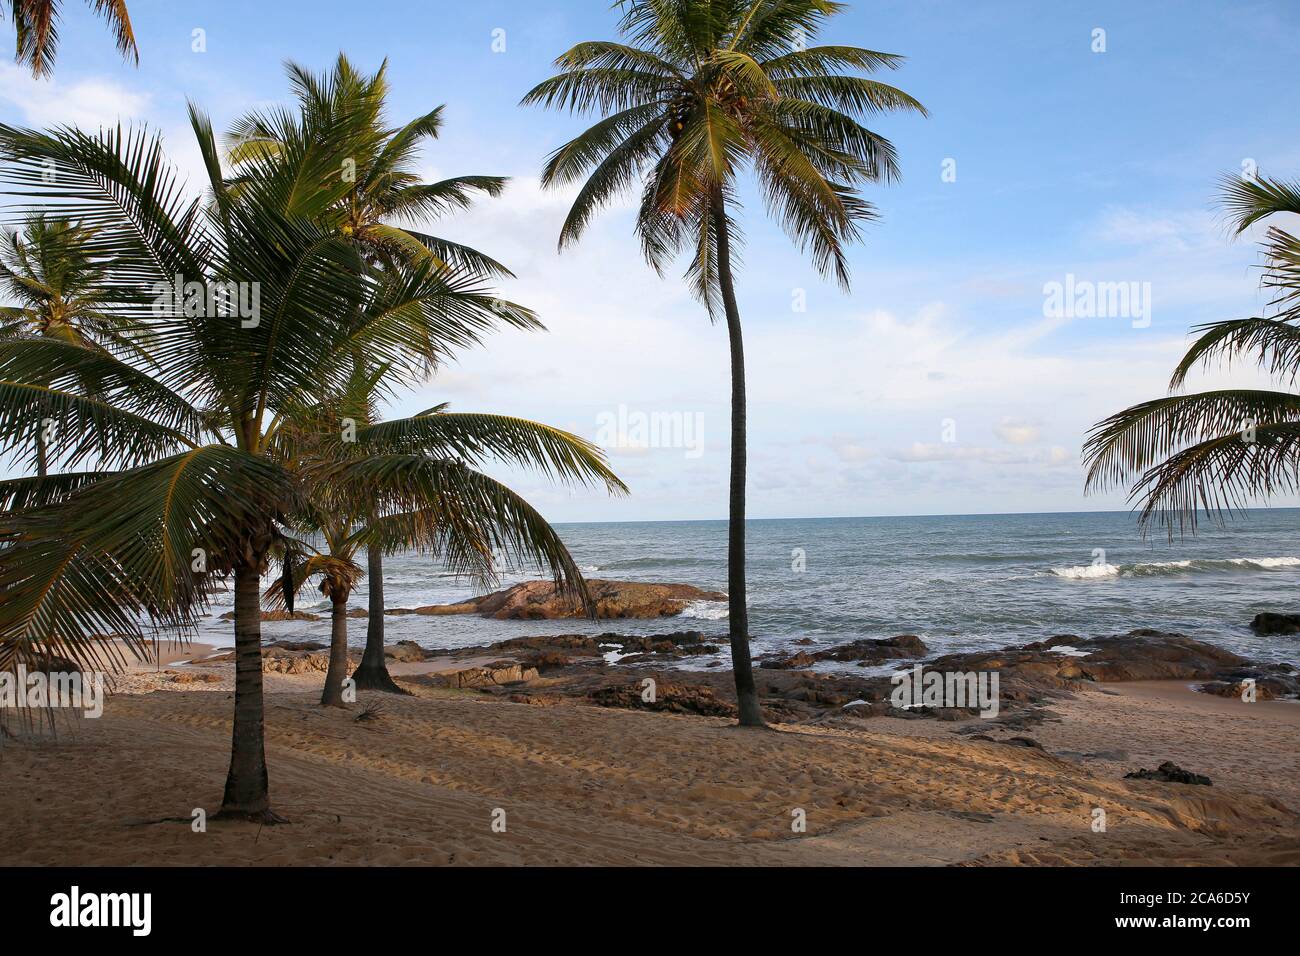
x=960, y=582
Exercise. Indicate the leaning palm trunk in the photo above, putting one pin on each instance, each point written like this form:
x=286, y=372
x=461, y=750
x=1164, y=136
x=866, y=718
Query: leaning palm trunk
x=372, y=672
x=332, y=695
x=247, y=792
x=751, y=715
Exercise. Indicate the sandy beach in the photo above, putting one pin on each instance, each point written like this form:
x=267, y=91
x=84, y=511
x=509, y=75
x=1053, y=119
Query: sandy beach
x=424, y=781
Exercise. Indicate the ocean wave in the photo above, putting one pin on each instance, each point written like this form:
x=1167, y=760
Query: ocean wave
x=629, y=564
x=705, y=610
x=1085, y=572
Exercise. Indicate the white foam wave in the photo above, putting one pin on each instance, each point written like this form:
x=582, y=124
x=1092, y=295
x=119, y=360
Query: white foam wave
x=1085, y=572
x=705, y=610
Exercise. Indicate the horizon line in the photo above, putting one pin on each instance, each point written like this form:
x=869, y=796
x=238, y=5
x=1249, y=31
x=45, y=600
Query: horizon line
x=935, y=514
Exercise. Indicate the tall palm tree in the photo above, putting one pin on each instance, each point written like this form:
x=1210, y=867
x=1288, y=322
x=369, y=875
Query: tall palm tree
x=377, y=214
x=185, y=487
x=63, y=294
x=702, y=91
x=1214, y=452
x=36, y=23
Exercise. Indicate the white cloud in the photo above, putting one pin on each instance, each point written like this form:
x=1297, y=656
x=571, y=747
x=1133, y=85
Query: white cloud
x=86, y=103
x=1015, y=432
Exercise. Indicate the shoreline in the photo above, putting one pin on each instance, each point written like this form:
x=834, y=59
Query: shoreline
x=584, y=784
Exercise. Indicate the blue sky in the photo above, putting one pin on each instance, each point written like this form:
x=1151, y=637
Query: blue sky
x=1068, y=162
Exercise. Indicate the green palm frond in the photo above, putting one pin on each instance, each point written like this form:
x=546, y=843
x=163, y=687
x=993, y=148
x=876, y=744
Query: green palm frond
x=460, y=513
x=1128, y=443
x=1216, y=452
x=700, y=92
x=1221, y=476
x=1249, y=201
x=477, y=438
x=123, y=550
x=36, y=25
x=20, y=494
x=88, y=404
x=1275, y=344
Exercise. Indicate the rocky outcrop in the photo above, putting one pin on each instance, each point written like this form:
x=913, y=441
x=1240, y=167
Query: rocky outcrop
x=866, y=652
x=405, y=652
x=1143, y=654
x=540, y=600
x=1270, y=623
x=669, y=696
x=289, y=657
x=495, y=674
x=278, y=616
x=1170, y=772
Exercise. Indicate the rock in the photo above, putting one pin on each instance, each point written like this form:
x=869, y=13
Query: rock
x=573, y=643
x=358, y=612
x=404, y=651
x=1138, y=655
x=1267, y=622
x=1170, y=772
x=297, y=645
x=543, y=660
x=497, y=673
x=670, y=696
x=795, y=662
x=287, y=659
x=278, y=616
x=539, y=600
x=866, y=652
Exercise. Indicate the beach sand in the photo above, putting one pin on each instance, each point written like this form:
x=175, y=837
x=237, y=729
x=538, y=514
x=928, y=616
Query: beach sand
x=423, y=783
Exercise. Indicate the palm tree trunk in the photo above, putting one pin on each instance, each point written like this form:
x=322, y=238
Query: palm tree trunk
x=372, y=672
x=751, y=715
x=332, y=695
x=247, y=792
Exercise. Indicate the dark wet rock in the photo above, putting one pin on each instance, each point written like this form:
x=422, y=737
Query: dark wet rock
x=1142, y=654
x=547, y=660
x=571, y=643
x=670, y=696
x=1030, y=678
x=865, y=652
x=1170, y=772
x=638, y=648
x=1267, y=622
x=541, y=600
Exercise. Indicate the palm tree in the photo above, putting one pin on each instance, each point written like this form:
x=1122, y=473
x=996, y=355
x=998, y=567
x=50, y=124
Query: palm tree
x=186, y=488
x=375, y=214
x=36, y=23
x=356, y=496
x=63, y=294
x=701, y=90
x=1214, y=452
